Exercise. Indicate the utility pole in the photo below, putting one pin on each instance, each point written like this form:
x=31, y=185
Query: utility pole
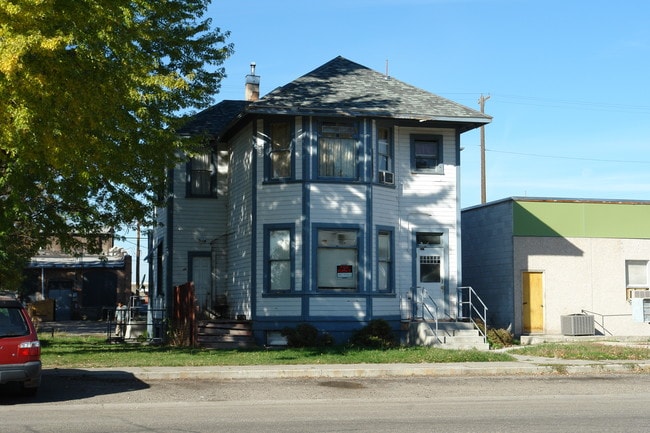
x=137, y=260
x=481, y=102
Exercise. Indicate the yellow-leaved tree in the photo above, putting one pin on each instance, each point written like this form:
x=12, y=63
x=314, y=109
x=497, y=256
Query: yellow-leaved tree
x=91, y=92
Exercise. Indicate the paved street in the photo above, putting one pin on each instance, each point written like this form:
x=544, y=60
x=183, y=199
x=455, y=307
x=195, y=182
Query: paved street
x=574, y=403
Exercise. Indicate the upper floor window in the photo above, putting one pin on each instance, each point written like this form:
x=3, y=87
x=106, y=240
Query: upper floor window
x=337, y=150
x=337, y=260
x=426, y=153
x=384, y=149
x=385, y=156
x=279, y=151
x=202, y=170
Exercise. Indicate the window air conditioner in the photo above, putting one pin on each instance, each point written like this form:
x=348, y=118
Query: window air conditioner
x=386, y=177
x=640, y=293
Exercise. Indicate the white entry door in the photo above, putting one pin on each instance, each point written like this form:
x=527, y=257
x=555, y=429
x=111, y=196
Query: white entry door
x=430, y=281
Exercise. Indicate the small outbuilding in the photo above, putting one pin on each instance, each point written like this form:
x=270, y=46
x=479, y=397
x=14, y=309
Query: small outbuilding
x=560, y=266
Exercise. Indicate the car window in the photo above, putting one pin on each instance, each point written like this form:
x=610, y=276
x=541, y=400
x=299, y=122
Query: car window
x=12, y=323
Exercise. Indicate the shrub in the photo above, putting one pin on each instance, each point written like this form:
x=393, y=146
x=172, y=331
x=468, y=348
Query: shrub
x=303, y=335
x=377, y=334
x=499, y=338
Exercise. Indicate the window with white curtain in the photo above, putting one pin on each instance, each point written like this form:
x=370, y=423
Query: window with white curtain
x=337, y=150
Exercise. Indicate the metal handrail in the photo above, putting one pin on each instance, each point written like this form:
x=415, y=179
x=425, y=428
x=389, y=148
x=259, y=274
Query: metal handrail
x=432, y=314
x=602, y=319
x=471, y=293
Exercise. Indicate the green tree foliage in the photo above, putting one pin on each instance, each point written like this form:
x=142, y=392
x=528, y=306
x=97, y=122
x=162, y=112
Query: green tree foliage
x=90, y=92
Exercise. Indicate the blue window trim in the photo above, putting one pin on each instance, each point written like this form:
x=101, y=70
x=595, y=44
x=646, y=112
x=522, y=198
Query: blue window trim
x=267, y=149
x=268, y=228
x=429, y=137
x=358, y=147
x=391, y=277
x=361, y=263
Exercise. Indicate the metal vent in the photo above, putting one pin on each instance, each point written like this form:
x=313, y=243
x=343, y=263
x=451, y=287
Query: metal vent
x=640, y=293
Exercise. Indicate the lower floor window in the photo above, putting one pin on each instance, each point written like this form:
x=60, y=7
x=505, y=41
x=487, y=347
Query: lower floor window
x=279, y=268
x=637, y=276
x=337, y=260
x=384, y=261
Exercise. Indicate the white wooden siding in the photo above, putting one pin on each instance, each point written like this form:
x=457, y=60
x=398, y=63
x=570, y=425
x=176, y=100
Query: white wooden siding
x=337, y=307
x=386, y=306
x=196, y=222
x=427, y=202
x=274, y=307
x=336, y=203
x=240, y=223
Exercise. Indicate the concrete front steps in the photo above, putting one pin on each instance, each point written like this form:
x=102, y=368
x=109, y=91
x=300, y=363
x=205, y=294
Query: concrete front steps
x=451, y=335
x=225, y=334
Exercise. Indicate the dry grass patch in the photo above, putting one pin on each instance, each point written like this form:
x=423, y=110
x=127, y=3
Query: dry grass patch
x=590, y=351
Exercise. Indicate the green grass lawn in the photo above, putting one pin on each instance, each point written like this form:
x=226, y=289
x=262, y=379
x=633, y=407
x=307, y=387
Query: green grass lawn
x=65, y=351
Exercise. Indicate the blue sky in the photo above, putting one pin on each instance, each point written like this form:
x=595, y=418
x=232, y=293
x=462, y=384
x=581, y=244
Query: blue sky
x=568, y=80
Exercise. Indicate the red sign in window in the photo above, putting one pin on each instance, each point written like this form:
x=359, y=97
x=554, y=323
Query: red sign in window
x=344, y=271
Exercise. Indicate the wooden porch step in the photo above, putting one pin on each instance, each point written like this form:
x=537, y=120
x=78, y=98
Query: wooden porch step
x=225, y=334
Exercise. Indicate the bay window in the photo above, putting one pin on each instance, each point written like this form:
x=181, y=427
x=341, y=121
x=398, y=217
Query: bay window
x=280, y=259
x=279, y=150
x=337, y=259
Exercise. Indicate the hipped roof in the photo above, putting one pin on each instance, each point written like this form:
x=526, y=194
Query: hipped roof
x=341, y=87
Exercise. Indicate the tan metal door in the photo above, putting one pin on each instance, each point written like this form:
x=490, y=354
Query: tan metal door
x=533, y=302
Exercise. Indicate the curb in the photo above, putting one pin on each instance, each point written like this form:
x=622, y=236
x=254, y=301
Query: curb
x=348, y=371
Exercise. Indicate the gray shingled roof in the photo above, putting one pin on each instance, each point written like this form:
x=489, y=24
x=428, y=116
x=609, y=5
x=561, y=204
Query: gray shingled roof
x=214, y=120
x=342, y=87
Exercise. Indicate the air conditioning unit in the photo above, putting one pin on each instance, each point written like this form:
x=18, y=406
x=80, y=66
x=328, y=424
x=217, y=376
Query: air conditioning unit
x=386, y=177
x=577, y=324
x=640, y=293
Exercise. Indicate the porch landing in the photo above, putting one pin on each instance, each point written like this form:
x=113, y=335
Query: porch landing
x=450, y=335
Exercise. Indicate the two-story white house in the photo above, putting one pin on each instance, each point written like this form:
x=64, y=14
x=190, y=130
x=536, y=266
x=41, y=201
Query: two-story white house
x=332, y=200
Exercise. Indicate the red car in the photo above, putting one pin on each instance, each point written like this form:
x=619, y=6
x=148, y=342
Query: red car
x=20, y=350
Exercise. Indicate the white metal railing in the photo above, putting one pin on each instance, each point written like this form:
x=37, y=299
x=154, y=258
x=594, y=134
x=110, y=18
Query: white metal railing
x=601, y=323
x=424, y=300
x=469, y=300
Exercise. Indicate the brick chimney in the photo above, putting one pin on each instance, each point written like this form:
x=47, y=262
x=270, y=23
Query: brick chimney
x=252, y=85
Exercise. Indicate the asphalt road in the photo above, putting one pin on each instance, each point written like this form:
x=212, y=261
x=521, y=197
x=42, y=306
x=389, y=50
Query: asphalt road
x=575, y=403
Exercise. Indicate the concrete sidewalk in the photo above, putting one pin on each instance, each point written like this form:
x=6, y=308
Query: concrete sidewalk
x=524, y=365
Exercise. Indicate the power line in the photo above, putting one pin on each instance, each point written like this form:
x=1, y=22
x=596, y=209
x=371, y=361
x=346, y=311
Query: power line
x=575, y=158
x=537, y=101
